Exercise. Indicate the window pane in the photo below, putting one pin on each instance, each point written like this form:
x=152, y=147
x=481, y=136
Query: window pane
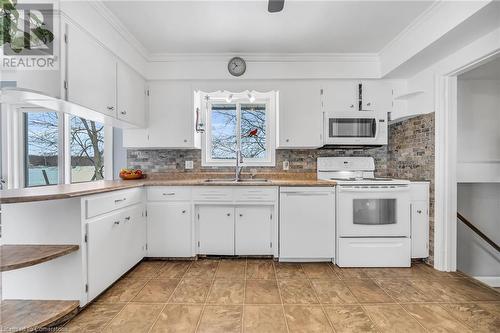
x=87, y=150
x=42, y=142
x=253, y=130
x=223, y=131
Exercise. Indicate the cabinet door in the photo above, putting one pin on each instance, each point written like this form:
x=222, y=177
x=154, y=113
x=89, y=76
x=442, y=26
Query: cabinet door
x=216, y=230
x=133, y=243
x=131, y=97
x=171, y=115
x=104, y=251
x=300, y=117
x=253, y=230
x=419, y=229
x=307, y=223
x=376, y=96
x=169, y=229
x=91, y=73
x=340, y=96
x=135, y=138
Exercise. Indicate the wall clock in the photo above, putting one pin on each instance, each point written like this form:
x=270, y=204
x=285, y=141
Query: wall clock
x=237, y=66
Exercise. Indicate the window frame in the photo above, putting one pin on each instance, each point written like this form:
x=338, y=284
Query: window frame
x=245, y=97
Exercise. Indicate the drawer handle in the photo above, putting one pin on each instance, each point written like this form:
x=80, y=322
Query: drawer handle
x=120, y=200
x=117, y=222
x=127, y=218
x=171, y=193
x=184, y=212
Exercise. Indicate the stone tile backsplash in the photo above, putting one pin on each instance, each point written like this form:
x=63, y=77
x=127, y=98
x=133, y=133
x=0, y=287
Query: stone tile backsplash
x=408, y=155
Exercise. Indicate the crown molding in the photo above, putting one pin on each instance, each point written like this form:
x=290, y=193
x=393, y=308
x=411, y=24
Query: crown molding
x=265, y=57
x=119, y=27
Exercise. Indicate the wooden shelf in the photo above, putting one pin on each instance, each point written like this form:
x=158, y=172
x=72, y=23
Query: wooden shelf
x=19, y=256
x=30, y=315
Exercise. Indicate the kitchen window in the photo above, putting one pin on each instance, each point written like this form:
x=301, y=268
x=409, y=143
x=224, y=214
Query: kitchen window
x=238, y=122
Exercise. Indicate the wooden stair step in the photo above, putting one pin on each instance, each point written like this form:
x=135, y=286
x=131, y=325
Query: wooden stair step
x=30, y=315
x=19, y=256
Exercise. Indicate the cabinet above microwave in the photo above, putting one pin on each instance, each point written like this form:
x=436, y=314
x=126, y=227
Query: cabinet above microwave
x=355, y=128
x=353, y=95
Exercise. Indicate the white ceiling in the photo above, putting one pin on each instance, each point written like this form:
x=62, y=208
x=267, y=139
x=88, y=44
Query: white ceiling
x=247, y=27
x=487, y=71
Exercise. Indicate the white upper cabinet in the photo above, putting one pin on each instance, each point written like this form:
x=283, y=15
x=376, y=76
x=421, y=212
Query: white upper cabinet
x=340, y=96
x=300, y=118
x=171, y=116
x=91, y=73
x=131, y=96
x=376, y=96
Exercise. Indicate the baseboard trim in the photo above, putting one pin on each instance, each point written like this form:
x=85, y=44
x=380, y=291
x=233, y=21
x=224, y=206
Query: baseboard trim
x=492, y=281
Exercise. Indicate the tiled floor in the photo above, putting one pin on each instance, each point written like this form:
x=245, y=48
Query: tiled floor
x=264, y=296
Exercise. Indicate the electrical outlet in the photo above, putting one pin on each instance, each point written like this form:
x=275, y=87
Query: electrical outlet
x=286, y=165
x=188, y=165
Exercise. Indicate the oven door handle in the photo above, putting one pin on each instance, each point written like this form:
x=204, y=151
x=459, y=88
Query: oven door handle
x=374, y=189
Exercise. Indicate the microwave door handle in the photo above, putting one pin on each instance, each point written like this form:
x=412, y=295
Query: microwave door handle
x=375, y=129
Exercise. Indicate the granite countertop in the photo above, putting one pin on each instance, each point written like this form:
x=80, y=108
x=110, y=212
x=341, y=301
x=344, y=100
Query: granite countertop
x=180, y=179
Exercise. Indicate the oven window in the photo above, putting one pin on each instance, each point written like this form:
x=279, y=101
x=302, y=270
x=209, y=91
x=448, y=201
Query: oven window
x=352, y=127
x=374, y=211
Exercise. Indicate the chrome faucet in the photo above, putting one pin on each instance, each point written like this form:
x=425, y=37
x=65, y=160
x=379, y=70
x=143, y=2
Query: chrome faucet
x=239, y=160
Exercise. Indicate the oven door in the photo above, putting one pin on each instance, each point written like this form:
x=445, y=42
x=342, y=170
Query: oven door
x=355, y=129
x=373, y=211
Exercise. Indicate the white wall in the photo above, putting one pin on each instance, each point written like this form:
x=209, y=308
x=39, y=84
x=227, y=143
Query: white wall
x=480, y=204
x=478, y=136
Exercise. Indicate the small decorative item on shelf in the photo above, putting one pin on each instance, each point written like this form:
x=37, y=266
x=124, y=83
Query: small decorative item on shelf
x=127, y=174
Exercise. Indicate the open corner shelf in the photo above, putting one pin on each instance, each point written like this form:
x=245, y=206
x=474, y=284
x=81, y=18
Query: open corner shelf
x=20, y=256
x=32, y=315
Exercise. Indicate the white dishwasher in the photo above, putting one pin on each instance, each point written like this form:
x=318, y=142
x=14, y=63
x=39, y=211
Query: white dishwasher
x=307, y=224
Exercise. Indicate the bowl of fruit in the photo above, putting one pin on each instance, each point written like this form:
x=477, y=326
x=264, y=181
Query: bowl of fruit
x=128, y=174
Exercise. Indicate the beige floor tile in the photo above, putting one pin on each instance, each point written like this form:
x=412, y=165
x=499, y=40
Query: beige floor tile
x=192, y=290
x=262, y=292
x=174, y=269
x=435, y=318
x=333, y=292
x=435, y=274
x=367, y=291
x=221, y=318
x=306, y=318
x=204, y=269
x=178, y=318
x=403, y=291
x=479, y=317
x=156, y=291
x=349, y=318
x=260, y=269
x=146, y=269
x=349, y=273
x=123, y=291
x=93, y=318
x=473, y=291
x=231, y=269
x=227, y=292
x=134, y=318
x=439, y=290
x=264, y=319
x=392, y=318
x=289, y=271
x=320, y=270
x=297, y=292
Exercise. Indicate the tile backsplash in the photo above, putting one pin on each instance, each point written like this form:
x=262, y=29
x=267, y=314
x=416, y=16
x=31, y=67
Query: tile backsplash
x=408, y=155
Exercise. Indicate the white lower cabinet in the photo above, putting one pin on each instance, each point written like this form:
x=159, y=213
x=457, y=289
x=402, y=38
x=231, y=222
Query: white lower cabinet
x=307, y=223
x=169, y=229
x=419, y=192
x=215, y=229
x=253, y=230
x=115, y=243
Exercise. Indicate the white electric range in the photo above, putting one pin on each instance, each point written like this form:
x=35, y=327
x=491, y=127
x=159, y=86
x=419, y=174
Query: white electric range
x=372, y=214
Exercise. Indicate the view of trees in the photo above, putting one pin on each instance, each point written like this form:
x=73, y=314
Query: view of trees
x=224, y=131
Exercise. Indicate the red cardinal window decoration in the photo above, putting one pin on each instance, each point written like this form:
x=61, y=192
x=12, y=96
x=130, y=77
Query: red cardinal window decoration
x=252, y=133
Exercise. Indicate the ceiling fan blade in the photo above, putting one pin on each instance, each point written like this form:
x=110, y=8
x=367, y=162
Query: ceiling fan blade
x=275, y=6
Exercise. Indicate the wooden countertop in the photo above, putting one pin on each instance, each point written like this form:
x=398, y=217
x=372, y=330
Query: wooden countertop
x=66, y=191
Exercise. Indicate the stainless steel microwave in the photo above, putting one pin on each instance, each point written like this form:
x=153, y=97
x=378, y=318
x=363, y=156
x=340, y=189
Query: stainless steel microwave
x=356, y=128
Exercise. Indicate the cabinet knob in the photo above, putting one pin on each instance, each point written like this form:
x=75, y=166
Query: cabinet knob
x=351, y=106
x=241, y=215
x=184, y=212
x=127, y=218
x=419, y=211
x=117, y=222
x=110, y=108
x=287, y=140
x=228, y=214
x=185, y=140
x=369, y=103
x=124, y=112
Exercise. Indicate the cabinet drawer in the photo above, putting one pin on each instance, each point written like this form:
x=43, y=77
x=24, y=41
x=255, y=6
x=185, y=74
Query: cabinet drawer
x=170, y=193
x=100, y=204
x=257, y=193
x=212, y=193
